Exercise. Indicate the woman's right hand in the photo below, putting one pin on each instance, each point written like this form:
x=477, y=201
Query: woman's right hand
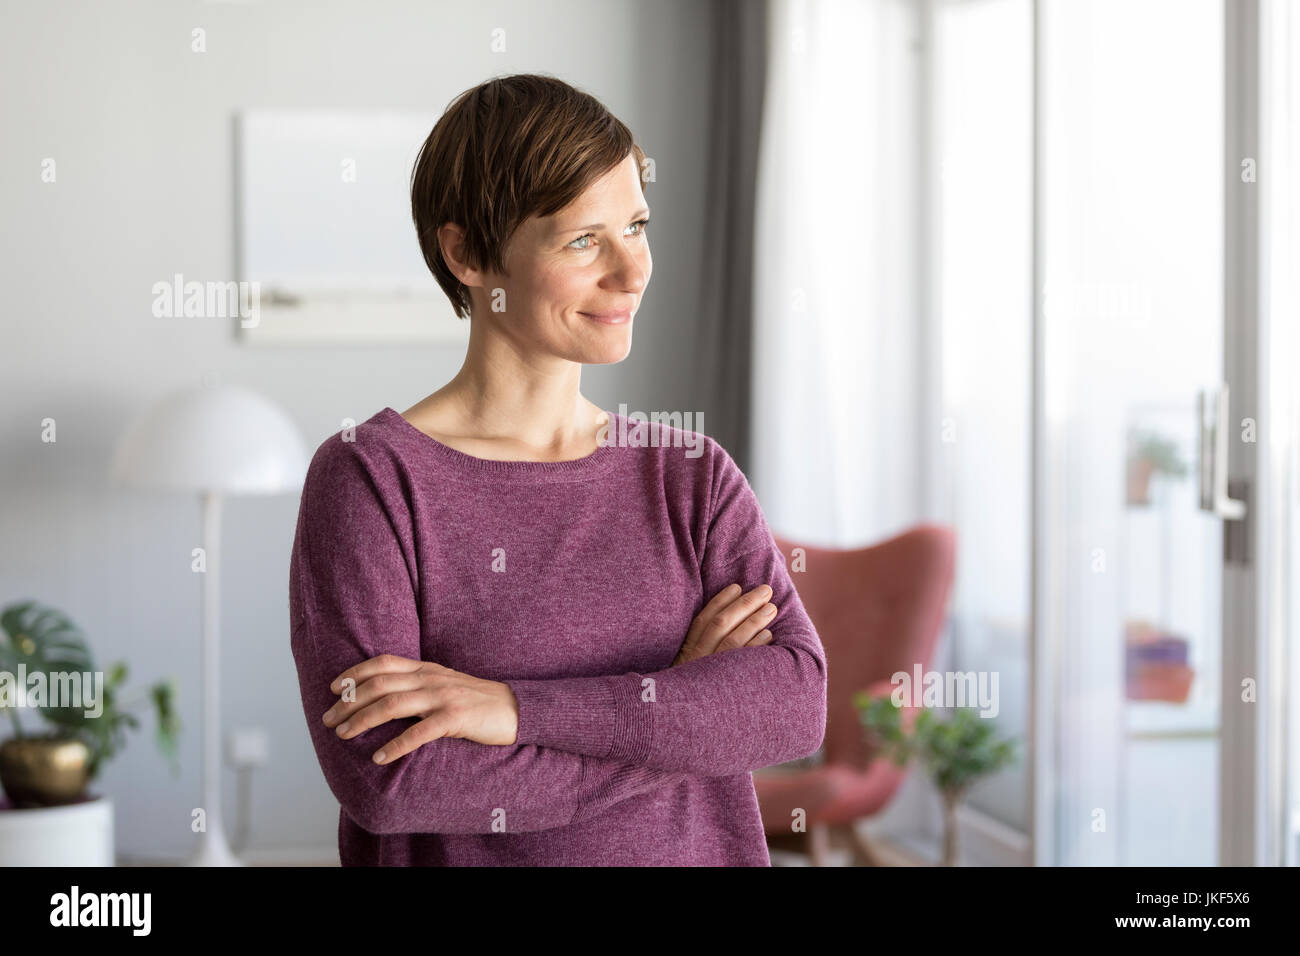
x=730, y=620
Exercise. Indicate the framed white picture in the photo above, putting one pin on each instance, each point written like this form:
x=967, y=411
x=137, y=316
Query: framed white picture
x=323, y=227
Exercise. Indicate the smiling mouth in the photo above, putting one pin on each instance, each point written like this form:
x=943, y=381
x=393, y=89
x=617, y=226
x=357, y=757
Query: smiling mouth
x=610, y=318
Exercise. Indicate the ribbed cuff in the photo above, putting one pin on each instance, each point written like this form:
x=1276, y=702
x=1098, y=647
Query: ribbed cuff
x=574, y=714
x=633, y=723
x=597, y=716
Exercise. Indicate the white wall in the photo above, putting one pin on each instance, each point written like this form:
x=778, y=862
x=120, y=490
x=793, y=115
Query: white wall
x=139, y=127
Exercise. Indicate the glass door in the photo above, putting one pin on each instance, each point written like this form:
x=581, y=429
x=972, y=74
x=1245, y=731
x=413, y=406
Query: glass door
x=1279, y=516
x=1131, y=226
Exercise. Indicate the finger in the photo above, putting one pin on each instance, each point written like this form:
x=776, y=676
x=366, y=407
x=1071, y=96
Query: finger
x=726, y=598
x=749, y=628
x=720, y=600
x=389, y=707
x=726, y=619
x=431, y=728
x=378, y=686
x=383, y=664
x=758, y=640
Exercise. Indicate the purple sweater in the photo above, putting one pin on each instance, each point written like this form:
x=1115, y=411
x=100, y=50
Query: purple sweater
x=575, y=583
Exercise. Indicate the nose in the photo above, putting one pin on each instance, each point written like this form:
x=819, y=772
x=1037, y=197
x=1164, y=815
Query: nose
x=632, y=268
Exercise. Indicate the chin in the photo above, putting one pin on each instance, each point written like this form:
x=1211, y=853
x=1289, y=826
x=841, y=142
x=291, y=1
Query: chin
x=601, y=354
x=608, y=357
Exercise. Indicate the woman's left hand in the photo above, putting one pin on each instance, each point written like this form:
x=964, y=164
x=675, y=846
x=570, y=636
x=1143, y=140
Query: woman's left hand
x=449, y=703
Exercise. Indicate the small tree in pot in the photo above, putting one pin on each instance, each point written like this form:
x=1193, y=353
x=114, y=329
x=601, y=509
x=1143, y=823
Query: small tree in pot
x=42, y=644
x=955, y=752
x=1150, y=454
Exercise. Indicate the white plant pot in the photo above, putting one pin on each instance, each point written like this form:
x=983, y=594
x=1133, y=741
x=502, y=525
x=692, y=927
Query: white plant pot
x=76, y=834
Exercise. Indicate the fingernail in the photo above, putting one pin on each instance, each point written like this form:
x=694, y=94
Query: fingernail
x=343, y=728
x=379, y=757
x=733, y=590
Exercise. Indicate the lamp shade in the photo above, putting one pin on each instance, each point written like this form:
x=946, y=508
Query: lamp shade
x=224, y=438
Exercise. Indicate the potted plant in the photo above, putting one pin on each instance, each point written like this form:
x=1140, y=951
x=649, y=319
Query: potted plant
x=40, y=647
x=1150, y=454
x=956, y=752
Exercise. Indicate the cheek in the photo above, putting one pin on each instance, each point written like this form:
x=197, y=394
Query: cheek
x=541, y=291
x=565, y=287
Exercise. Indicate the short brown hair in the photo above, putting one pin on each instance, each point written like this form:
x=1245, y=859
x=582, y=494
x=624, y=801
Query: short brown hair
x=513, y=147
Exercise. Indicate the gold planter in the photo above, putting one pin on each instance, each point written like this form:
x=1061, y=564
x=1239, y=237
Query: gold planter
x=44, y=771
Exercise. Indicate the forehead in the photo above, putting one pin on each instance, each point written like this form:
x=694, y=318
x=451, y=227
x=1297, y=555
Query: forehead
x=621, y=185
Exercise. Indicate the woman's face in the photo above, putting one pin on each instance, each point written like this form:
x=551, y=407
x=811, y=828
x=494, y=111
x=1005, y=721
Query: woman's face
x=591, y=257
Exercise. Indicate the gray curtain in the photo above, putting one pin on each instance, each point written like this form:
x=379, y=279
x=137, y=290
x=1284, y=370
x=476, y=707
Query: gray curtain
x=724, y=357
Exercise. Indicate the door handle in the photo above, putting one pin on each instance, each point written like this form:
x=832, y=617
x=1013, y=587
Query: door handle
x=1212, y=455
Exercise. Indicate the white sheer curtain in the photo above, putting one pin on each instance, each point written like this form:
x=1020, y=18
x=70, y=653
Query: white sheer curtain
x=1280, y=250
x=837, y=383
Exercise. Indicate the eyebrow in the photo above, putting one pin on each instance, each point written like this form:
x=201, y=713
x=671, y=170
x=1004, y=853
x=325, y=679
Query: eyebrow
x=639, y=214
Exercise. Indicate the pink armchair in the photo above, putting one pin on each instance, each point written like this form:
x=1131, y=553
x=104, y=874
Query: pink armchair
x=878, y=610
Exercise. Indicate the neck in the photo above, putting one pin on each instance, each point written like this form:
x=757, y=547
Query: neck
x=516, y=400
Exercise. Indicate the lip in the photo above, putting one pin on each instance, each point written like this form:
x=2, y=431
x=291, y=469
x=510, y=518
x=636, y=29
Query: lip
x=610, y=318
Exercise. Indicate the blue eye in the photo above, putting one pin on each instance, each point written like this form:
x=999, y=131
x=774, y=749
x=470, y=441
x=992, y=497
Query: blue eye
x=591, y=235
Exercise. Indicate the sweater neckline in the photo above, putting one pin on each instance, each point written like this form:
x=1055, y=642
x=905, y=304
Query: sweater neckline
x=596, y=463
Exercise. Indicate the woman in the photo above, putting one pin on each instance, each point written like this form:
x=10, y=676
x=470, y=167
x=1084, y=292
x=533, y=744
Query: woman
x=498, y=613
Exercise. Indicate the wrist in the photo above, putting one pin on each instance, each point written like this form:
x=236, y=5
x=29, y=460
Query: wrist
x=512, y=712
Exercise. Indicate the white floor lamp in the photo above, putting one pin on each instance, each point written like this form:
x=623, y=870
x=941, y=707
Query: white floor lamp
x=214, y=441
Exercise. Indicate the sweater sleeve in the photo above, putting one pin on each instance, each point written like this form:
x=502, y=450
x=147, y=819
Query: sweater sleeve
x=730, y=712
x=353, y=586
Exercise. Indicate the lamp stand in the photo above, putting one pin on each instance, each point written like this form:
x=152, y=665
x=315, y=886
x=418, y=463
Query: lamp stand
x=213, y=850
